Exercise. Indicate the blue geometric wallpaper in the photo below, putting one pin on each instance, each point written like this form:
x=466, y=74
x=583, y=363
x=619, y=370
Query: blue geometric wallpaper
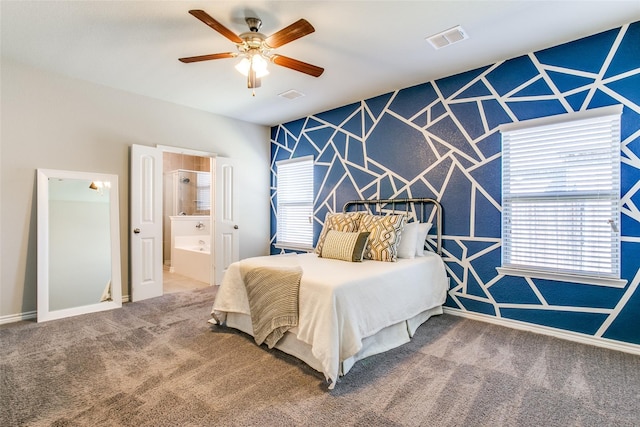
x=440, y=139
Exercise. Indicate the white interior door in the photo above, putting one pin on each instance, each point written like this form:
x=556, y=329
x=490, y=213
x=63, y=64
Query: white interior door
x=146, y=222
x=226, y=226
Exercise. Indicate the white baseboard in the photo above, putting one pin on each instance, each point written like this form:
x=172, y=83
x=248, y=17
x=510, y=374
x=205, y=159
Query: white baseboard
x=28, y=315
x=11, y=318
x=545, y=330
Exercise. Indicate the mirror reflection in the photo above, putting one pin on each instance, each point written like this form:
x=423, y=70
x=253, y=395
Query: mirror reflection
x=78, y=262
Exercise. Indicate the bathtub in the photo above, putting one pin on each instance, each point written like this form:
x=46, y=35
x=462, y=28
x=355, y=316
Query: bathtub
x=191, y=257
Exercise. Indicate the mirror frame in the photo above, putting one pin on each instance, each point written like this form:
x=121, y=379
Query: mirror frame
x=43, y=311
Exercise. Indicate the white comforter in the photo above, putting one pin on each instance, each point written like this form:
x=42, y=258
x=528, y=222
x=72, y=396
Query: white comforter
x=343, y=302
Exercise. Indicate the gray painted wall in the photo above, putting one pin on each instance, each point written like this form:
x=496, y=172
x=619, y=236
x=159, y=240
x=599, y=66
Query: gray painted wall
x=54, y=122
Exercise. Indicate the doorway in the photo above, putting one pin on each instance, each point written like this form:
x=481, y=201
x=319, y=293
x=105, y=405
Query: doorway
x=146, y=218
x=187, y=221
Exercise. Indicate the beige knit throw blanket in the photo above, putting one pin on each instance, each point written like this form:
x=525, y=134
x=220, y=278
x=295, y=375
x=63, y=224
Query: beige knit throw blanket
x=273, y=299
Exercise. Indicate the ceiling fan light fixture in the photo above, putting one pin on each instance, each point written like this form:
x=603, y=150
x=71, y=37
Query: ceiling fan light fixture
x=255, y=49
x=257, y=63
x=243, y=66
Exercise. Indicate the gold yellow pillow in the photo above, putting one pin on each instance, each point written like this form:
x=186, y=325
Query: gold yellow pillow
x=385, y=235
x=348, y=222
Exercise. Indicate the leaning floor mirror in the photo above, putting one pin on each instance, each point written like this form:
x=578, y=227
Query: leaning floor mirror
x=78, y=243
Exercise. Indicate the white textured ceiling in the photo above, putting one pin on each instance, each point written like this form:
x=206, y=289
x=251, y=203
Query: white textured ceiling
x=366, y=47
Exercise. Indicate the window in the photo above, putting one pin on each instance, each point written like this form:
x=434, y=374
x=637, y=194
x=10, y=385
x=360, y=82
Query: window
x=295, y=203
x=560, y=197
x=203, y=189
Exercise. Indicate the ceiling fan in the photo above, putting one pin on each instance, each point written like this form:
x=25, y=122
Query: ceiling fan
x=256, y=49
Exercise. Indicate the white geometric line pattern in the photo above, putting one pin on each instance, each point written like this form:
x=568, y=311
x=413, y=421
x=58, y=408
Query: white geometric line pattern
x=440, y=139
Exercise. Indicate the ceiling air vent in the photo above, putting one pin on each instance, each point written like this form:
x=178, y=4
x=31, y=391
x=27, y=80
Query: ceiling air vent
x=291, y=94
x=447, y=37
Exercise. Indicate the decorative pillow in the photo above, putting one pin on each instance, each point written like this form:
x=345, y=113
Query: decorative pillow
x=408, y=241
x=340, y=222
x=344, y=245
x=423, y=230
x=385, y=235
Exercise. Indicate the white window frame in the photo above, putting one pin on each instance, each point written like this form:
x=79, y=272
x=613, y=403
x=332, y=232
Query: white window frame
x=295, y=197
x=523, y=189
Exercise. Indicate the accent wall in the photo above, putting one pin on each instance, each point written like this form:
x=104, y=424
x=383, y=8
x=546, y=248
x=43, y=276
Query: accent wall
x=440, y=139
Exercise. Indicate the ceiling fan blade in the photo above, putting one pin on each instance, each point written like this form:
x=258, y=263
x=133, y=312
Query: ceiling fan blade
x=208, y=57
x=294, y=31
x=294, y=64
x=204, y=17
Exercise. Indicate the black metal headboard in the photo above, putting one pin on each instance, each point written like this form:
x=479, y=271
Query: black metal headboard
x=410, y=205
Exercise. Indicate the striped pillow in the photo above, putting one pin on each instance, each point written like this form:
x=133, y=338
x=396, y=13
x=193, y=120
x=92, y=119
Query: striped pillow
x=385, y=235
x=339, y=222
x=344, y=245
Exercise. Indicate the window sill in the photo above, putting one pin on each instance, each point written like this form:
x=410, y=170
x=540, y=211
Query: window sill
x=562, y=277
x=292, y=247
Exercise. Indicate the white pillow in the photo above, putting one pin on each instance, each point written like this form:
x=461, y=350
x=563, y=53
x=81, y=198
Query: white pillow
x=423, y=230
x=408, y=241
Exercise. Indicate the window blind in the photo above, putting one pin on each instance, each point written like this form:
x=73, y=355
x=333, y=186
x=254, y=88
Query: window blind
x=203, y=187
x=561, y=193
x=295, y=203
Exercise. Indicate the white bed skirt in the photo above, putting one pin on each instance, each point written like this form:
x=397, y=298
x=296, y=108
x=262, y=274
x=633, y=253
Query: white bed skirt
x=390, y=337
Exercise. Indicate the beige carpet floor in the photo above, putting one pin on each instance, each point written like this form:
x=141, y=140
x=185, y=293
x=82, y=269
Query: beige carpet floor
x=158, y=363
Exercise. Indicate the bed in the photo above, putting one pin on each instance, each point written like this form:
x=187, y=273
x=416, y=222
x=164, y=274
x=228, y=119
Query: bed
x=345, y=309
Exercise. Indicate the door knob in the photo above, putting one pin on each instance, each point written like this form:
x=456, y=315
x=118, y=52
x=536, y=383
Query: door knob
x=136, y=230
x=235, y=227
